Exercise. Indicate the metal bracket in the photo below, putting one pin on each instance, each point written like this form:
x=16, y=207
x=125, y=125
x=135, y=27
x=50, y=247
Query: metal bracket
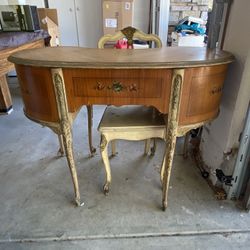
x=227, y=179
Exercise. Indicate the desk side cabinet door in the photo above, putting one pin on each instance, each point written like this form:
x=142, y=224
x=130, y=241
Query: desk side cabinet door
x=37, y=93
x=201, y=94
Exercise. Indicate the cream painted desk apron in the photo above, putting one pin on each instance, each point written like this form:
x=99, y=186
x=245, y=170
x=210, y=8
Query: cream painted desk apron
x=185, y=84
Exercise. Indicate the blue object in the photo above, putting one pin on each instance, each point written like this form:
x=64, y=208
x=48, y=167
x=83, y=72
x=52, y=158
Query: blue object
x=193, y=27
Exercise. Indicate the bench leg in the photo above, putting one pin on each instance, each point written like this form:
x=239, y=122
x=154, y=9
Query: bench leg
x=113, y=148
x=153, y=149
x=147, y=146
x=104, y=153
x=90, y=125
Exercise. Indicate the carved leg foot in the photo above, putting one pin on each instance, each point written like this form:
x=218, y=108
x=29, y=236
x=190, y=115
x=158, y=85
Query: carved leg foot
x=90, y=125
x=106, y=188
x=104, y=153
x=164, y=206
x=61, y=151
x=67, y=140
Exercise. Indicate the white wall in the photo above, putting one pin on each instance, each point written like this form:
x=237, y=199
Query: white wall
x=90, y=22
x=3, y=2
x=11, y=2
x=223, y=134
x=141, y=14
x=38, y=3
x=164, y=20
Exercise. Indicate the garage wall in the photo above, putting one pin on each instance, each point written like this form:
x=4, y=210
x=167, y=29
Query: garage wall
x=4, y=2
x=220, y=139
x=141, y=14
x=38, y=3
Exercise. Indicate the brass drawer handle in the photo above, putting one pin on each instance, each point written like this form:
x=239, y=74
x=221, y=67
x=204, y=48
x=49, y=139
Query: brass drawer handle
x=216, y=90
x=100, y=86
x=116, y=87
x=133, y=87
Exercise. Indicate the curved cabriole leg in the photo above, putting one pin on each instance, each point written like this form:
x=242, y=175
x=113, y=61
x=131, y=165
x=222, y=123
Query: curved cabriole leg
x=168, y=162
x=65, y=127
x=172, y=127
x=67, y=140
x=61, y=151
x=90, y=125
x=104, y=153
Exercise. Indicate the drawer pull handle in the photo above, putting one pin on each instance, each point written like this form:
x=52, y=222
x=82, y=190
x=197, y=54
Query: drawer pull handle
x=100, y=86
x=133, y=87
x=216, y=90
x=116, y=87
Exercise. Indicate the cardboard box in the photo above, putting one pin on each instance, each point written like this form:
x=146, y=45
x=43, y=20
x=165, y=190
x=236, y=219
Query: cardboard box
x=117, y=14
x=49, y=21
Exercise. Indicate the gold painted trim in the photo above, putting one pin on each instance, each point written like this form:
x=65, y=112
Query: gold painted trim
x=172, y=127
x=182, y=130
x=65, y=125
x=129, y=33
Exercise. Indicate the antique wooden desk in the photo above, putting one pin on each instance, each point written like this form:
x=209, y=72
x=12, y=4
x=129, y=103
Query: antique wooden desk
x=11, y=42
x=185, y=84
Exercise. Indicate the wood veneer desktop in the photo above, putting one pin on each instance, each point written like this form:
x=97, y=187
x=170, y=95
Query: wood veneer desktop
x=185, y=84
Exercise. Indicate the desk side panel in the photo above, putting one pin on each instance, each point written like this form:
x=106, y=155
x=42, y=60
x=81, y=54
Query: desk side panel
x=38, y=93
x=118, y=87
x=201, y=94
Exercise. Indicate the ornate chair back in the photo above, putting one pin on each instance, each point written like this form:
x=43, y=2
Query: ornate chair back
x=130, y=34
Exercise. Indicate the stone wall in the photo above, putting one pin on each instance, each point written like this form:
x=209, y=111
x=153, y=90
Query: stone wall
x=181, y=8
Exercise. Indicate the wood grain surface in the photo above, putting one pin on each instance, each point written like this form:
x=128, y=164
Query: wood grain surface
x=87, y=81
x=201, y=94
x=75, y=57
x=38, y=93
x=138, y=86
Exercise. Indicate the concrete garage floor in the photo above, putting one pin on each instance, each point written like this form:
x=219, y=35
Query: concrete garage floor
x=36, y=194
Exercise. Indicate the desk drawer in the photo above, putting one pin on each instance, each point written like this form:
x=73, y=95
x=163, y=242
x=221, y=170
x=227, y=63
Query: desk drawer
x=118, y=87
